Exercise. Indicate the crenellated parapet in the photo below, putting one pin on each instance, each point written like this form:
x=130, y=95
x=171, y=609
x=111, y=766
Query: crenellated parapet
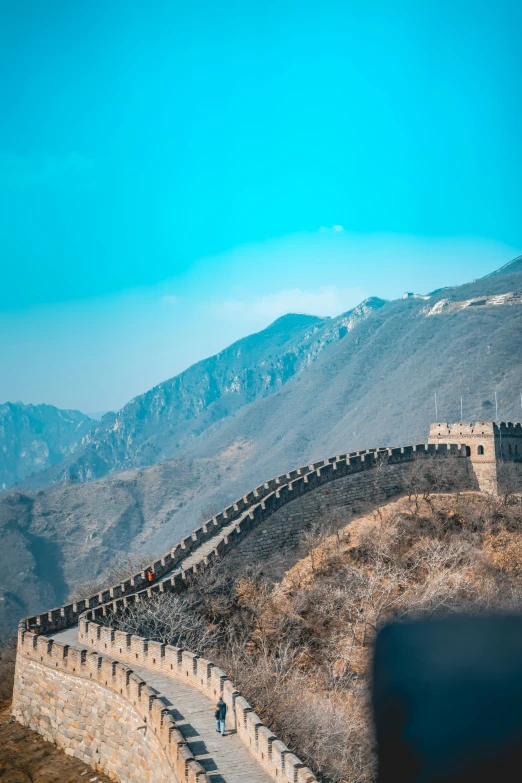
x=489, y=446
x=99, y=663
x=247, y=512
x=81, y=690
x=198, y=672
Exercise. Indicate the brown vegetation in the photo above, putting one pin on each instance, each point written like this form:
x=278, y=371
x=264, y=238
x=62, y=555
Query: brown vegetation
x=299, y=647
x=7, y=667
x=25, y=757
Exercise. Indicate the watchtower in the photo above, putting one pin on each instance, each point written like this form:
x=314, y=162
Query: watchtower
x=489, y=446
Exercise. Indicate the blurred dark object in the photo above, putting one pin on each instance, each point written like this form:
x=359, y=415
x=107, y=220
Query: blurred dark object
x=447, y=699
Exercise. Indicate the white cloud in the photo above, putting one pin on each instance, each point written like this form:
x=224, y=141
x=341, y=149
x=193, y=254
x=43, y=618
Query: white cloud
x=327, y=300
x=332, y=228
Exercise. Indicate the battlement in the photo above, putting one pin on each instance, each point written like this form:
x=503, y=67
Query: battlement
x=90, y=687
x=198, y=672
x=488, y=444
x=270, y=517
x=253, y=507
x=475, y=429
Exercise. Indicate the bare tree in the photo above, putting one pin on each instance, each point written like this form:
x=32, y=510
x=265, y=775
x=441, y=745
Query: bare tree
x=509, y=481
x=307, y=640
x=167, y=618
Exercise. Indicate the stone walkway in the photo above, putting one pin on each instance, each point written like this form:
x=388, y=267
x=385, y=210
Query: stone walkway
x=225, y=759
x=206, y=548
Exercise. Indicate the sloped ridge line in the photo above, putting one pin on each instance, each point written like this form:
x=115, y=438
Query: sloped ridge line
x=266, y=497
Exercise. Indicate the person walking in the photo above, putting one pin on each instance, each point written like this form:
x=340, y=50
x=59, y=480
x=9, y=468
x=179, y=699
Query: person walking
x=220, y=715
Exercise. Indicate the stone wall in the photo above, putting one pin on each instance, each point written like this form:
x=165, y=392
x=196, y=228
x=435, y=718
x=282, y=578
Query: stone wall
x=275, y=758
x=339, y=500
x=67, y=615
x=50, y=676
x=255, y=507
x=97, y=710
x=489, y=446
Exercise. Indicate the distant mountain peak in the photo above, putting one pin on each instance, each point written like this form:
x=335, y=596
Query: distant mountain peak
x=190, y=408
x=156, y=425
x=36, y=437
x=292, y=321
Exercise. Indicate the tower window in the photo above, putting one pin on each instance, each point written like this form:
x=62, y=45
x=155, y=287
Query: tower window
x=480, y=449
x=468, y=451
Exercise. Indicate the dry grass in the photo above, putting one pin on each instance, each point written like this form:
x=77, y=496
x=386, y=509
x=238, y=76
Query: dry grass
x=299, y=647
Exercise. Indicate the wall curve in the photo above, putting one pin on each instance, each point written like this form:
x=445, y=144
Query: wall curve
x=198, y=672
x=99, y=711
x=282, y=507
x=351, y=493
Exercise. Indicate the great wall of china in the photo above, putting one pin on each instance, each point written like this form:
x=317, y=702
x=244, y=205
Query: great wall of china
x=141, y=711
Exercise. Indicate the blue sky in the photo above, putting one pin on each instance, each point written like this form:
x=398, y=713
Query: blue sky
x=171, y=173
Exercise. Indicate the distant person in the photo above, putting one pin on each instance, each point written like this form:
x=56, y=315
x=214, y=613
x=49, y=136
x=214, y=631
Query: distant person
x=220, y=715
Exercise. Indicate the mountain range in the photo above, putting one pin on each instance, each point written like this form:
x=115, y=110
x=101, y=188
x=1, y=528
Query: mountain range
x=162, y=423
x=302, y=389
x=35, y=437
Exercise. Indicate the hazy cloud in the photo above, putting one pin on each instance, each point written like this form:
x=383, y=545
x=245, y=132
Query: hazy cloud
x=327, y=300
x=170, y=299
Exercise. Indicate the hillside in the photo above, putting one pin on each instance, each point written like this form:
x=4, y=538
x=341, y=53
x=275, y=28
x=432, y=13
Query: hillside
x=296, y=638
x=376, y=386
x=159, y=424
x=512, y=266
x=35, y=437
x=55, y=538
x=364, y=379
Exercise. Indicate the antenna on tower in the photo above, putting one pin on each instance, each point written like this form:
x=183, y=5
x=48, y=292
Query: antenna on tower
x=496, y=407
x=437, y=410
x=461, y=410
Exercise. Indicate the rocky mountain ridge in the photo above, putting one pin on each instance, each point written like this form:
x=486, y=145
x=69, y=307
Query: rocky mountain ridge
x=159, y=424
x=362, y=380
x=35, y=437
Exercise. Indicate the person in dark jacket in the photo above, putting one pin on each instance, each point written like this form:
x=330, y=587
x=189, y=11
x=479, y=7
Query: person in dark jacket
x=220, y=715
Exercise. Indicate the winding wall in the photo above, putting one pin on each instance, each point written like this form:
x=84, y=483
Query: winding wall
x=99, y=711
x=51, y=675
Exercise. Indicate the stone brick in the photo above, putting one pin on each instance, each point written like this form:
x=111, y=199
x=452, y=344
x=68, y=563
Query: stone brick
x=88, y=707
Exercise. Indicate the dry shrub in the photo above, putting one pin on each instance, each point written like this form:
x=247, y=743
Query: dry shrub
x=505, y=550
x=167, y=618
x=299, y=649
x=7, y=668
x=328, y=729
